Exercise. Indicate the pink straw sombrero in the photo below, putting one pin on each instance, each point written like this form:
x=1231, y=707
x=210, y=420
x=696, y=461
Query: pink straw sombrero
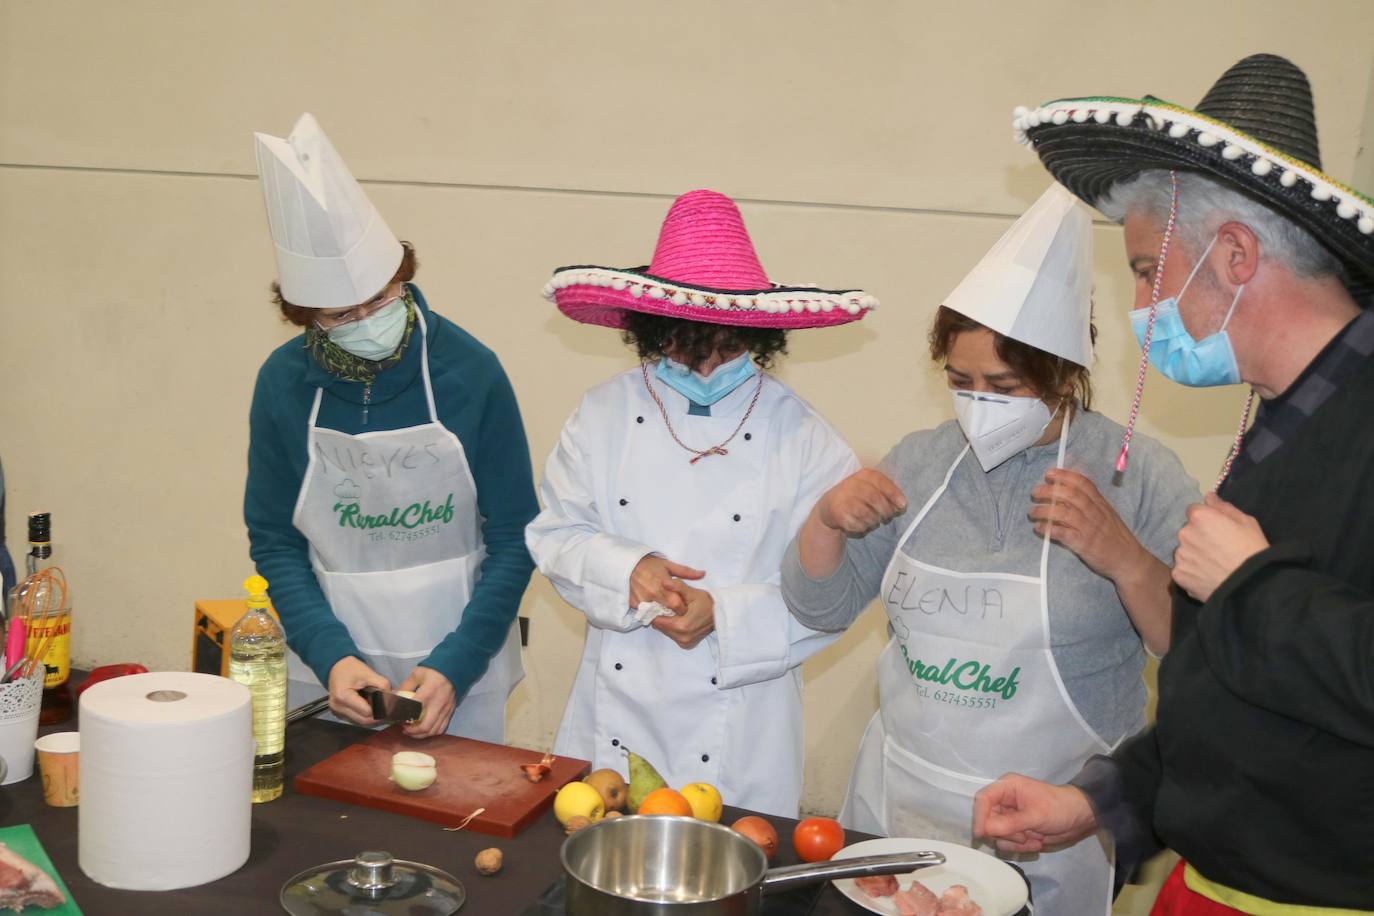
x=704, y=269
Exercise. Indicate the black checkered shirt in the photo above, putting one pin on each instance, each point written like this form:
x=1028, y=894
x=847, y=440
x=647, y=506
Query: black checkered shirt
x=1280, y=418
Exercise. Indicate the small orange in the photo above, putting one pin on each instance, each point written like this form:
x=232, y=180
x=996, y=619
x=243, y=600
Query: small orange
x=665, y=801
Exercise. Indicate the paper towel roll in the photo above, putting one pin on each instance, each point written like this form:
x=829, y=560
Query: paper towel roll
x=166, y=780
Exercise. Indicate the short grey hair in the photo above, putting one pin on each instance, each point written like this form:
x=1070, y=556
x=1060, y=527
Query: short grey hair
x=1204, y=204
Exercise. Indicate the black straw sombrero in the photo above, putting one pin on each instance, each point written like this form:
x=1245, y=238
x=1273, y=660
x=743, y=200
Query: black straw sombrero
x=1254, y=130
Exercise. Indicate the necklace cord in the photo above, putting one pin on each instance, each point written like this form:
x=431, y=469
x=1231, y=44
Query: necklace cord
x=699, y=453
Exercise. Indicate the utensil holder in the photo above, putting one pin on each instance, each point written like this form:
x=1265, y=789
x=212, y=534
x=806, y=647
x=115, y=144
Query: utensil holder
x=20, y=701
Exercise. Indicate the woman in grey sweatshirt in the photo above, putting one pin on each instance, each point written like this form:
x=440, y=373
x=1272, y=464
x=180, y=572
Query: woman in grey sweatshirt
x=1009, y=650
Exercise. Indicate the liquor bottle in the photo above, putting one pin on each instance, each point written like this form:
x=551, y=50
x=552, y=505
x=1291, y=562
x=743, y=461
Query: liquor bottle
x=257, y=659
x=50, y=624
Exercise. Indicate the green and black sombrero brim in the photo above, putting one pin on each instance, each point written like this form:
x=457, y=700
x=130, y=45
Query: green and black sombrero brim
x=1254, y=131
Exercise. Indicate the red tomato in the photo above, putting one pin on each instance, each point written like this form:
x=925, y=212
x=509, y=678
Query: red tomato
x=816, y=839
x=760, y=831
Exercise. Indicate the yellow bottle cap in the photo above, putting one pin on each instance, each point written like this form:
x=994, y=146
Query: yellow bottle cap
x=256, y=586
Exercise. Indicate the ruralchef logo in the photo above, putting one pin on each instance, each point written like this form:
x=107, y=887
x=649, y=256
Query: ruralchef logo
x=970, y=676
x=414, y=515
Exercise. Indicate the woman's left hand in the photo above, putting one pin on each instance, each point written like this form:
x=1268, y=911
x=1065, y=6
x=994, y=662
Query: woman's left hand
x=1083, y=521
x=435, y=693
x=689, y=627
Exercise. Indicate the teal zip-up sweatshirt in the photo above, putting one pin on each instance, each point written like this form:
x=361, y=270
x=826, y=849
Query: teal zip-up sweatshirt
x=475, y=401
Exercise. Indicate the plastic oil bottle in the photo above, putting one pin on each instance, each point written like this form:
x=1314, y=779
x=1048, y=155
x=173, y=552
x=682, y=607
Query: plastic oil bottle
x=257, y=660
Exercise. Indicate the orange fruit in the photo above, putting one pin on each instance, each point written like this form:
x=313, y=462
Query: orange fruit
x=665, y=801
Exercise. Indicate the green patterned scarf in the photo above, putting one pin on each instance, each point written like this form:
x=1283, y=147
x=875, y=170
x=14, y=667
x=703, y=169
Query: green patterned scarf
x=350, y=367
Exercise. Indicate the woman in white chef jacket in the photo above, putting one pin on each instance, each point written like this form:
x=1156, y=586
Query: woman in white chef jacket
x=668, y=502
x=388, y=476
x=1018, y=575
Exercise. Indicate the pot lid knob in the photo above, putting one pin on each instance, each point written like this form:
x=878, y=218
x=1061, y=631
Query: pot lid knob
x=371, y=872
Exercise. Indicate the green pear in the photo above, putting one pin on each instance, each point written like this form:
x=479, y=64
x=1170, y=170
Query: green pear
x=643, y=779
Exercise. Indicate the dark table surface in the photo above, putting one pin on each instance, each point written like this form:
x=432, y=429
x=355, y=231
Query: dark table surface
x=296, y=832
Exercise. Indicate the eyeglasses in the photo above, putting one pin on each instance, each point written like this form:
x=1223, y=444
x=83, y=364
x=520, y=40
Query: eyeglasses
x=358, y=312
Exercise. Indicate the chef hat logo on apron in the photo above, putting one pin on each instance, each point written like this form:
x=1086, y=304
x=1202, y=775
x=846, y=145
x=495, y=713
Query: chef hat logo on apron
x=348, y=490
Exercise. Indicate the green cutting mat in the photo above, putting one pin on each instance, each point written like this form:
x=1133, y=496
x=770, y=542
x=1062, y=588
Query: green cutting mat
x=25, y=842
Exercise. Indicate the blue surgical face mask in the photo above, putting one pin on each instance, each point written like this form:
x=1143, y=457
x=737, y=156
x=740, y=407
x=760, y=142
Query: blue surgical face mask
x=706, y=389
x=1173, y=351
x=376, y=336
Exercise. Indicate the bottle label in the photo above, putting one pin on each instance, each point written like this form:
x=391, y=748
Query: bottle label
x=57, y=657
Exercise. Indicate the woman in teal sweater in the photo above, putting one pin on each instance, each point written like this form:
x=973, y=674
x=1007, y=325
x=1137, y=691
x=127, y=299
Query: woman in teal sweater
x=389, y=480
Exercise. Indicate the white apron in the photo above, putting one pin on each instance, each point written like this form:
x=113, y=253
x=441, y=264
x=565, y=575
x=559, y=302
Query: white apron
x=396, y=544
x=969, y=690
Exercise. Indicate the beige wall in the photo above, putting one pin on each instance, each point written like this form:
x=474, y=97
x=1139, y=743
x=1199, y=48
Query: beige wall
x=869, y=143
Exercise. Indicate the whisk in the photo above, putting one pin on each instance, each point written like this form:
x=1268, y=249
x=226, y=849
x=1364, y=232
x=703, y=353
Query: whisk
x=41, y=600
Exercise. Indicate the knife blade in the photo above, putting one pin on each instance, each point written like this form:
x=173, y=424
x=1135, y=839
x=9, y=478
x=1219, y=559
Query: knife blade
x=391, y=707
x=308, y=710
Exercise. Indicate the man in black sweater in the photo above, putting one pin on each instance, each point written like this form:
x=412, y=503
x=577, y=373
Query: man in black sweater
x=1251, y=266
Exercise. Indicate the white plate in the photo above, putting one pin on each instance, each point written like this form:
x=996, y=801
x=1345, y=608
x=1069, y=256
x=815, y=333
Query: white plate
x=993, y=884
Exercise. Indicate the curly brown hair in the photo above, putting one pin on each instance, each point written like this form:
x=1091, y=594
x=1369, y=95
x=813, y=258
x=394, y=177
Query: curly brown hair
x=303, y=317
x=1044, y=373
x=692, y=342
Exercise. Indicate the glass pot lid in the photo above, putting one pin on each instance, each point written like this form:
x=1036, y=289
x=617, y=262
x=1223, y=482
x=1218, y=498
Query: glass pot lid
x=373, y=884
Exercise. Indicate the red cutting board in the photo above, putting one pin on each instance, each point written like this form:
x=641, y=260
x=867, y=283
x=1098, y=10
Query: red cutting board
x=472, y=775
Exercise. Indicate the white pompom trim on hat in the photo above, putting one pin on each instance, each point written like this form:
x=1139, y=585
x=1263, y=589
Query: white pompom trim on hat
x=1348, y=203
x=796, y=300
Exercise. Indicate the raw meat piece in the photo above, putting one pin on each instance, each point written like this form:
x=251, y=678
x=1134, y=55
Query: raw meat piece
x=878, y=885
x=917, y=900
x=24, y=884
x=956, y=902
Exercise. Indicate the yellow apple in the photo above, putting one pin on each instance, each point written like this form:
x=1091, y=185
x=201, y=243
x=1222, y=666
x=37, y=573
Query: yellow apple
x=578, y=798
x=704, y=799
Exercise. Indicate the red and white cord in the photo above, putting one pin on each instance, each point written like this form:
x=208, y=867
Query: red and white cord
x=1124, y=454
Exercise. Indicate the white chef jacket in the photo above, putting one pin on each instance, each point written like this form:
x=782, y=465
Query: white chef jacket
x=617, y=488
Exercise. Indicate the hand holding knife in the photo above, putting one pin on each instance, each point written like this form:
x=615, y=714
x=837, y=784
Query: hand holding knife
x=386, y=707
x=392, y=707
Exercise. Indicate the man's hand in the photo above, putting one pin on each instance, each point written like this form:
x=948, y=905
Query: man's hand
x=861, y=502
x=649, y=577
x=692, y=624
x=435, y=693
x=1026, y=815
x=1083, y=521
x=1214, y=543
x=348, y=674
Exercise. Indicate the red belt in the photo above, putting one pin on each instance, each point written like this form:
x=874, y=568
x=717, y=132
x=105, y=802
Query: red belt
x=1177, y=899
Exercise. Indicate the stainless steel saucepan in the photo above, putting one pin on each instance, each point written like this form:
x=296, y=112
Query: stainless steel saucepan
x=632, y=866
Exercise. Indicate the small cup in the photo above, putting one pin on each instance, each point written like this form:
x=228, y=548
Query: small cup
x=59, y=762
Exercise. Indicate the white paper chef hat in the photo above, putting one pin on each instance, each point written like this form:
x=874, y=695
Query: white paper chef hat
x=1035, y=284
x=333, y=247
